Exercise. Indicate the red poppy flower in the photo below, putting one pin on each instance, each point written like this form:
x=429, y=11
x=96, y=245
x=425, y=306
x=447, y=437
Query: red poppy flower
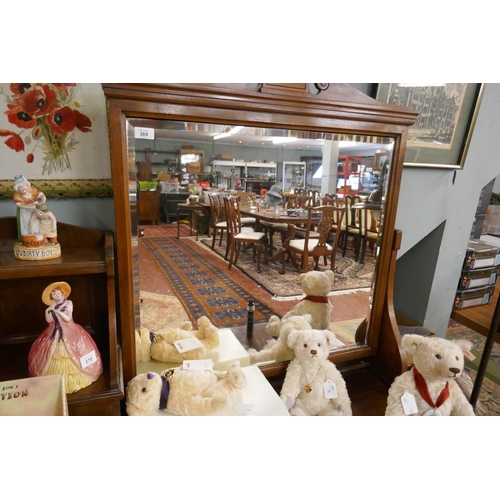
x=36, y=100
x=65, y=120
x=30, y=158
x=62, y=120
x=18, y=116
x=14, y=141
x=19, y=88
x=83, y=122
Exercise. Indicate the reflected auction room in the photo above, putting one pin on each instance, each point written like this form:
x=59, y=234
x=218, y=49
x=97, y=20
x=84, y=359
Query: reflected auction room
x=271, y=249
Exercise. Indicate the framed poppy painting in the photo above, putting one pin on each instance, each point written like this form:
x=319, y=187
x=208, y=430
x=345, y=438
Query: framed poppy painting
x=58, y=132
x=440, y=137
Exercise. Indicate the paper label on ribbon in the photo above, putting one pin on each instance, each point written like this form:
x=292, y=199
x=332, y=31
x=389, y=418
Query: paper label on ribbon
x=186, y=345
x=88, y=359
x=330, y=389
x=409, y=404
x=198, y=364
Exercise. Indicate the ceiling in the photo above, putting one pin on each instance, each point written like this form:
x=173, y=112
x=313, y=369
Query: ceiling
x=247, y=136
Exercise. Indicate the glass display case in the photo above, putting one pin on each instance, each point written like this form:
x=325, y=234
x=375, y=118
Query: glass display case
x=293, y=175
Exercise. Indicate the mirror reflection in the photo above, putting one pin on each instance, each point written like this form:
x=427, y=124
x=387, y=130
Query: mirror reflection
x=221, y=218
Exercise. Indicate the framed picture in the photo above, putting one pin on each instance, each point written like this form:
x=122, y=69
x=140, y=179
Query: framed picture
x=441, y=135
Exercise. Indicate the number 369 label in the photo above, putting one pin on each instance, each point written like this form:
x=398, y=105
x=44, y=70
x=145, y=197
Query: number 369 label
x=144, y=133
x=88, y=359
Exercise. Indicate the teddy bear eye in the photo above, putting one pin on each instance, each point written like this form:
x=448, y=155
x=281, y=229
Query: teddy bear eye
x=456, y=357
x=144, y=389
x=305, y=345
x=319, y=345
x=438, y=356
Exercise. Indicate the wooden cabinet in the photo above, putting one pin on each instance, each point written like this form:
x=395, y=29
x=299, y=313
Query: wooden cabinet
x=148, y=206
x=87, y=265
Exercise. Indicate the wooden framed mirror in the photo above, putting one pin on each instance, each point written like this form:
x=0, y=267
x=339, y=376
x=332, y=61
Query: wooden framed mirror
x=333, y=110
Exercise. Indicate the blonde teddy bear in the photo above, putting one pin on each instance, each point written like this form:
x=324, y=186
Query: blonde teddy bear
x=278, y=349
x=316, y=285
x=432, y=386
x=183, y=392
x=161, y=346
x=313, y=385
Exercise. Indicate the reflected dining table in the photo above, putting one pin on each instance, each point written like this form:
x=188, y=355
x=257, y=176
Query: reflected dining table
x=278, y=216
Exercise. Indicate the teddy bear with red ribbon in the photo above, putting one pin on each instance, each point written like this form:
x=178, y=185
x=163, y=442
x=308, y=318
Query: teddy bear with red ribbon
x=431, y=387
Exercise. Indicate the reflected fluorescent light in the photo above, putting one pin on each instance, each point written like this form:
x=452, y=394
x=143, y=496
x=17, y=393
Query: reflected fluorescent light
x=283, y=140
x=233, y=131
x=347, y=144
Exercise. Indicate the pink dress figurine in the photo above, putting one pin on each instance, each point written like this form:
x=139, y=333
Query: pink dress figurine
x=64, y=347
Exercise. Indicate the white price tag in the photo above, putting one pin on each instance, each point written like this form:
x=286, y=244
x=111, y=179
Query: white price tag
x=198, y=364
x=186, y=345
x=144, y=133
x=330, y=389
x=88, y=359
x=245, y=408
x=409, y=404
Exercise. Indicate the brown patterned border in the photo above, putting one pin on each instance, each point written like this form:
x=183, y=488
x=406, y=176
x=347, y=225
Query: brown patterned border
x=63, y=188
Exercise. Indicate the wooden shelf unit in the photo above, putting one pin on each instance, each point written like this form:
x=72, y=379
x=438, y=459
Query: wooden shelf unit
x=87, y=265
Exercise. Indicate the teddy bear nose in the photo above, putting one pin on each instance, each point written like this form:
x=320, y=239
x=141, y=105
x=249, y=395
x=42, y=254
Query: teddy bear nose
x=455, y=370
x=314, y=352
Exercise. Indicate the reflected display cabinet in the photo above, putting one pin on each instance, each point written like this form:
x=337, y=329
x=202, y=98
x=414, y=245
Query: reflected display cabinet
x=328, y=111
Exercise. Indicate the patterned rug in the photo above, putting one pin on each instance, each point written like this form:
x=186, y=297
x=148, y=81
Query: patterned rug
x=349, y=274
x=200, y=286
x=488, y=402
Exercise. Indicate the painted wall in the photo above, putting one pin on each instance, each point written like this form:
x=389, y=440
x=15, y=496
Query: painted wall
x=89, y=157
x=443, y=202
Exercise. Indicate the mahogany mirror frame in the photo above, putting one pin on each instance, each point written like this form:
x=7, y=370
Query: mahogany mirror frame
x=337, y=108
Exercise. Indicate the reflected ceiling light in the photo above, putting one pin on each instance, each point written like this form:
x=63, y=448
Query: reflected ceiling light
x=347, y=144
x=232, y=131
x=283, y=140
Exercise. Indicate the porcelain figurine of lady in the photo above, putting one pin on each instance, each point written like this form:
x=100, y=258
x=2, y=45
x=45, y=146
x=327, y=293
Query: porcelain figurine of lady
x=64, y=347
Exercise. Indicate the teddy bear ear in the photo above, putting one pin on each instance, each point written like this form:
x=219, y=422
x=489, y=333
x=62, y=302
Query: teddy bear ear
x=331, y=276
x=465, y=345
x=292, y=338
x=411, y=342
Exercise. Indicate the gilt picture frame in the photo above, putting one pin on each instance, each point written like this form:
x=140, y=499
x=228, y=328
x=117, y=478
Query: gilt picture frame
x=441, y=135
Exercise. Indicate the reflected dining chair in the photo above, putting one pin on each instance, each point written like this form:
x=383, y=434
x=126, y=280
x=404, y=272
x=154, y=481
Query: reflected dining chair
x=370, y=228
x=218, y=223
x=238, y=235
x=313, y=241
x=351, y=226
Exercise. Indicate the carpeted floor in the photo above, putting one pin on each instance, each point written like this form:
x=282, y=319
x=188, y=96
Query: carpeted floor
x=349, y=274
x=200, y=285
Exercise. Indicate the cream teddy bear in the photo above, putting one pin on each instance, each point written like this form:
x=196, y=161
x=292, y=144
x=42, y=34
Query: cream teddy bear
x=316, y=285
x=161, y=346
x=143, y=394
x=277, y=349
x=204, y=392
x=431, y=386
x=183, y=392
x=313, y=385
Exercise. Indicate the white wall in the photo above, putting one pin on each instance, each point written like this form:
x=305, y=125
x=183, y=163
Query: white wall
x=430, y=197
